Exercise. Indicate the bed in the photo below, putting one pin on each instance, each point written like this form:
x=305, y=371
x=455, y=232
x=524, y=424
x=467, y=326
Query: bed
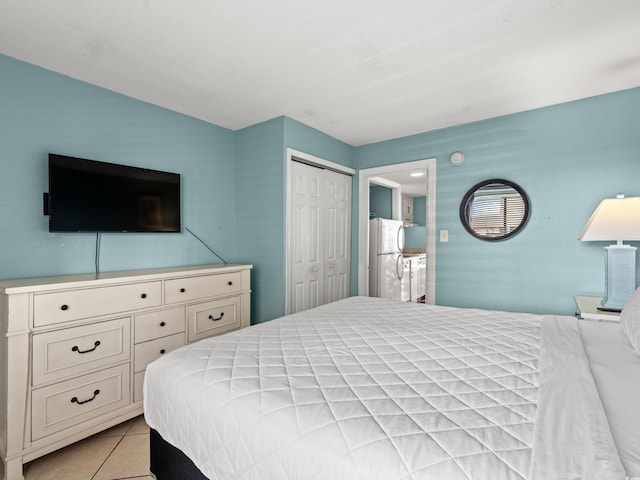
x=367, y=388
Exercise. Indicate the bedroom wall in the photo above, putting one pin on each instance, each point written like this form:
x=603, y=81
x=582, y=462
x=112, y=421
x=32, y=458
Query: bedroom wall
x=416, y=237
x=567, y=158
x=233, y=200
x=261, y=202
x=260, y=226
x=380, y=202
x=42, y=112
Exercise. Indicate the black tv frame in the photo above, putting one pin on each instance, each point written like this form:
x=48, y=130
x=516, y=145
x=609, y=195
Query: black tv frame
x=100, y=197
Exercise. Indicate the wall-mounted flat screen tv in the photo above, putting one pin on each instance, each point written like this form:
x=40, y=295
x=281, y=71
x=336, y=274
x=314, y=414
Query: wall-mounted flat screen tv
x=91, y=196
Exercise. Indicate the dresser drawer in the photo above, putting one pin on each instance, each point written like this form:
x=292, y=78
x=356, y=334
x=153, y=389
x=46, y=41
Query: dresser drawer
x=147, y=352
x=57, y=307
x=159, y=324
x=213, y=318
x=194, y=288
x=72, y=402
x=77, y=350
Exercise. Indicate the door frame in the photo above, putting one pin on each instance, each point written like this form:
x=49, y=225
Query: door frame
x=292, y=154
x=367, y=177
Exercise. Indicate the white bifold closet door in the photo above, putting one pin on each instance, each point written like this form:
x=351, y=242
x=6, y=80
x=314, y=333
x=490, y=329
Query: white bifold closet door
x=320, y=238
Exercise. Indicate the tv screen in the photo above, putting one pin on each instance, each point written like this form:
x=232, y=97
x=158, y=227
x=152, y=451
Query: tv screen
x=90, y=196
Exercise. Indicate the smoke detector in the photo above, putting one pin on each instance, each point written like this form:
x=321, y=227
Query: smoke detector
x=456, y=158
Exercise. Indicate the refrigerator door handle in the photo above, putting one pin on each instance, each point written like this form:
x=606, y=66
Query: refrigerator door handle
x=400, y=238
x=400, y=267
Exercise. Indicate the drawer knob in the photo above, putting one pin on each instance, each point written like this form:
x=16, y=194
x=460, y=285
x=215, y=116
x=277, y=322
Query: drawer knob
x=80, y=402
x=230, y=283
x=144, y=295
x=162, y=324
x=182, y=290
x=162, y=352
x=64, y=307
x=95, y=345
x=216, y=319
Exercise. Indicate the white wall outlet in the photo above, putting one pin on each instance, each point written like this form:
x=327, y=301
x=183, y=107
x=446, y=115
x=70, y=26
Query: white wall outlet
x=444, y=236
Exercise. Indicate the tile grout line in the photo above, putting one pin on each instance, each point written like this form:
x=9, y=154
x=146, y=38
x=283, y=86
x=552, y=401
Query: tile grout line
x=113, y=449
x=107, y=457
x=126, y=433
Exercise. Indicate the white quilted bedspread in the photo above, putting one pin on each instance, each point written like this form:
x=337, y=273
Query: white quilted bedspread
x=359, y=389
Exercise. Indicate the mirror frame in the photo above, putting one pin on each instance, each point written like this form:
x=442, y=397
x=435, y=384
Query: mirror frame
x=467, y=197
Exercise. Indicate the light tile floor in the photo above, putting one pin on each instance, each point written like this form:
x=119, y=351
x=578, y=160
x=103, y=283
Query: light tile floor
x=122, y=452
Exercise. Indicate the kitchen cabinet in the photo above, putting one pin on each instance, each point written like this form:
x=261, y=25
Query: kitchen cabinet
x=405, y=284
x=422, y=275
x=407, y=210
x=414, y=284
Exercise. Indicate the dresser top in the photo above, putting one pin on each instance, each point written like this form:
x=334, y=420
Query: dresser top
x=104, y=278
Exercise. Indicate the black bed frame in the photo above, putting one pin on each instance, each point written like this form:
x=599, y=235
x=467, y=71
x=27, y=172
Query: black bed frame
x=169, y=463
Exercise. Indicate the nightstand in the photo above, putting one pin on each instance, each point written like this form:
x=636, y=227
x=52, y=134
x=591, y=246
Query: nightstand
x=587, y=309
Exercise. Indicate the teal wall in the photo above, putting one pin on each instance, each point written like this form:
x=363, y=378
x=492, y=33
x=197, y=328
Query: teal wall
x=567, y=158
x=420, y=211
x=42, y=112
x=261, y=202
x=233, y=183
x=380, y=202
x=309, y=140
x=416, y=237
x=260, y=219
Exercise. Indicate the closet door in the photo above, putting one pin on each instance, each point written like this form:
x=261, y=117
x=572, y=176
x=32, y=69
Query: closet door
x=320, y=236
x=307, y=265
x=337, y=208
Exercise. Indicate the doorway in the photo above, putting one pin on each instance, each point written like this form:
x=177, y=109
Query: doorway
x=318, y=251
x=376, y=176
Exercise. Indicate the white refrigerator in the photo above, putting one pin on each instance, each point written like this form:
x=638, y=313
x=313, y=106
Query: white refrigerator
x=386, y=241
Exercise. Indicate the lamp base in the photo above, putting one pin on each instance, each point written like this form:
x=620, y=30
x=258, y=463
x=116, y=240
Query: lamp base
x=620, y=276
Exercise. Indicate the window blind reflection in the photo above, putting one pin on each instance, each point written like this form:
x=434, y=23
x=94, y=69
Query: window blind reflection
x=494, y=209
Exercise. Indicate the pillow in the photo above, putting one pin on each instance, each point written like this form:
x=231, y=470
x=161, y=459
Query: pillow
x=630, y=320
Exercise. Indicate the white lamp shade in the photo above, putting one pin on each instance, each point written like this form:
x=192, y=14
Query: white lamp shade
x=614, y=219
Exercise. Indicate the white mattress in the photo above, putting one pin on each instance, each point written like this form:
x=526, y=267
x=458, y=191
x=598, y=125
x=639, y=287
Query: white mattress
x=616, y=370
x=376, y=389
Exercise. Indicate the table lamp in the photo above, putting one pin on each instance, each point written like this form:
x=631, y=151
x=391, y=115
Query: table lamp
x=616, y=219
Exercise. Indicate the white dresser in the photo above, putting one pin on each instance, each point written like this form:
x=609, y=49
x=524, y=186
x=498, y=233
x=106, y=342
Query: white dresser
x=73, y=349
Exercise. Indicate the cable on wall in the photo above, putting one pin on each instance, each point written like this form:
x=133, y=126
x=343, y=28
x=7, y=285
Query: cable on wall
x=207, y=246
x=97, y=261
x=99, y=238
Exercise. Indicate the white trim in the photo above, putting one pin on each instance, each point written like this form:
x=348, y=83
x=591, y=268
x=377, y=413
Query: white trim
x=292, y=154
x=313, y=160
x=383, y=182
x=367, y=177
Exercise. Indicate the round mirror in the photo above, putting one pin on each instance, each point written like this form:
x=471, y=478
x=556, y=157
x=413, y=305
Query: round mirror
x=494, y=210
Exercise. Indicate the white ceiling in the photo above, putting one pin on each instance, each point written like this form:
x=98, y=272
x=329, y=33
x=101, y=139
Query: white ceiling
x=360, y=70
x=411, y=186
